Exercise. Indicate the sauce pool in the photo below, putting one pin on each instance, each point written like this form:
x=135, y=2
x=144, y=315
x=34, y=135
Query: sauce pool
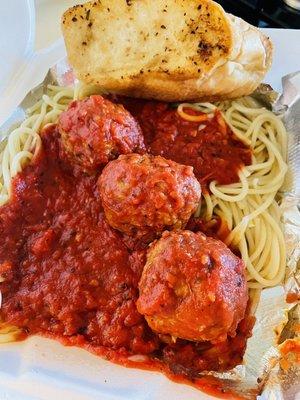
x=210, y=146
x=68, y=275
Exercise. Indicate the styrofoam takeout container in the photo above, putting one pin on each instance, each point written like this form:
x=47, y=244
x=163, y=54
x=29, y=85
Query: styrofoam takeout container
x=39, y=368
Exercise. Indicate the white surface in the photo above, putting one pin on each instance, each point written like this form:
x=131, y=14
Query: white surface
x=21, y=66
x=286, y=54
x=16, y=39
x=53, y=9
x=40, y=369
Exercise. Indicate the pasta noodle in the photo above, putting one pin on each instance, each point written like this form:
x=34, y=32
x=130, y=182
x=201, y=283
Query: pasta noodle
x=250, y=206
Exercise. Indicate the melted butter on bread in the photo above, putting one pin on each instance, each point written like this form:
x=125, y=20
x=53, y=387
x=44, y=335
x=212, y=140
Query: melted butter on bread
x=171, y=50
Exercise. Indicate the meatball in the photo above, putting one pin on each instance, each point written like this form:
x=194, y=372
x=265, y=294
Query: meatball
x=192, y=287
x=143, y=195
x=95, y=130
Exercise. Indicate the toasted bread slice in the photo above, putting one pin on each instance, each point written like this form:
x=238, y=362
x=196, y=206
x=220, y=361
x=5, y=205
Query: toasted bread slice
x=172, y=50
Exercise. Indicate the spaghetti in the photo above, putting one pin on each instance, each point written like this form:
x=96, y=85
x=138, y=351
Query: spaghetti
x=249, y=207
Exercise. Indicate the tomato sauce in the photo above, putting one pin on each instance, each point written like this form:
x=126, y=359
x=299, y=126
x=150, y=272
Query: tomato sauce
x=68, y=275
x=216, y=228
x=292, y=297
x=290, y=353
x=210, y=146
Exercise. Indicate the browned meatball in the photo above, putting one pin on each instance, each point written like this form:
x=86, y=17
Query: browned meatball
x=144, y=195
x=192, y=287
x=95, y=130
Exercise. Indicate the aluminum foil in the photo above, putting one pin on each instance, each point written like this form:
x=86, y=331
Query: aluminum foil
x=269, y=371
x=282, y=379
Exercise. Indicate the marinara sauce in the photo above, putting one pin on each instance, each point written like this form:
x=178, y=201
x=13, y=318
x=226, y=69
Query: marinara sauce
x=68, y=275
x=209, y=146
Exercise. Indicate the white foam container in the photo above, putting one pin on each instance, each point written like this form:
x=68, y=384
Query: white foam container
x=42, y=369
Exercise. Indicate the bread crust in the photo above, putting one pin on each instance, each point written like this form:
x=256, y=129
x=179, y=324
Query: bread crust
x=174, y=51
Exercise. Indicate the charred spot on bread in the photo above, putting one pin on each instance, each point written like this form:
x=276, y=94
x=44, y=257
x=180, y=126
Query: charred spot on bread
x=204, y=49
